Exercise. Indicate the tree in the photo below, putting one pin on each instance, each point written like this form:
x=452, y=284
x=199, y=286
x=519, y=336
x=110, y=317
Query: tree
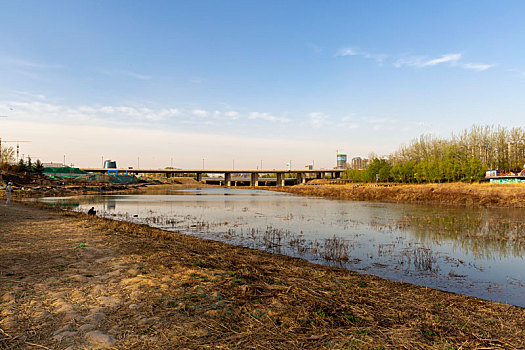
x=8, y=155
x=38, y=168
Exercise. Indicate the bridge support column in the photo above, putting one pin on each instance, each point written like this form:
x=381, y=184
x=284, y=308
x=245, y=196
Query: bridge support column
x=199, y=177
x=227, y=179
x=301, y=178
x=254, y=180
x=280, y=180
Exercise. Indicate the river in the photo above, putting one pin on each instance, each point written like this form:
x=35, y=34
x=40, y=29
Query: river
x=476, y=252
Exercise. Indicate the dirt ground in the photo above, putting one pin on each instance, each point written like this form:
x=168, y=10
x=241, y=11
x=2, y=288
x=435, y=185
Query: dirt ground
x=70, y=281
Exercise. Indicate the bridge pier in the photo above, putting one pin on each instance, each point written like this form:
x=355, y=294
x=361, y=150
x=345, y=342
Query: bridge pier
x=199, y=177
x=254, y=181
x=227, y=179
x=301, y=178
x=280, y=180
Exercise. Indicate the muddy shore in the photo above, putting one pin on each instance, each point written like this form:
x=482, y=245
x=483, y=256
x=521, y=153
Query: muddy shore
x=69, y=281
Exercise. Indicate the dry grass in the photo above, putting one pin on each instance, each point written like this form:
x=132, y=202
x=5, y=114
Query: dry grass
x=206, y=294
x=476, y=195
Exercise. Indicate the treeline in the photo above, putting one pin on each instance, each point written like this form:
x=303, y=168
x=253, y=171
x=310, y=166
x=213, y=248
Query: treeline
x=23, y=166
x=462, y=157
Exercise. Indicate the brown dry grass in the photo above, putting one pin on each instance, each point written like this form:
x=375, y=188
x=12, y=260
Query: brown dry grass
x=180, y=292
x=477, y=195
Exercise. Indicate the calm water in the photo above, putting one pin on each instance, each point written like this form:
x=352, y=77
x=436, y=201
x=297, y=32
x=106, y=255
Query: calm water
x=477, y=252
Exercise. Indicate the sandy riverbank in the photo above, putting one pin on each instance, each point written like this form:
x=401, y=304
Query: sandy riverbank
x=474, y=195
x=69, y=281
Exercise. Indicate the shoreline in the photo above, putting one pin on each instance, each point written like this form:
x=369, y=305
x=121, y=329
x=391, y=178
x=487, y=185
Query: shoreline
x=107, y=277
x=468, y=195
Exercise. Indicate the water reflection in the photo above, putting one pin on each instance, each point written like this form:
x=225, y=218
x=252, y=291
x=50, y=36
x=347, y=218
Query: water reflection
x=477, y=252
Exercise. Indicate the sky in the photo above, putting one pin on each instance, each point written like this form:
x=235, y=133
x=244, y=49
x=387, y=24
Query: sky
x=236, y=84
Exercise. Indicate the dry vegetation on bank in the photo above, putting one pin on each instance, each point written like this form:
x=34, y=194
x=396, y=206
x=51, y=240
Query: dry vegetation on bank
x=476, y=195
x=73, y=281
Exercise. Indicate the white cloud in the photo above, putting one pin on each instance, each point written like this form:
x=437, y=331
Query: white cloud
x=452, y=60
x=267, y=117
x=137, y=75
x=228, y=115
x=30, y=95
x=200, y=113
x=37, y=110
x=379, y=58
x=477, y=66
x=317, y=119
x=420, y=61
x=348, y=122
x=232, y=114
x=121, y=72
x=27, y=63
x=454, y=57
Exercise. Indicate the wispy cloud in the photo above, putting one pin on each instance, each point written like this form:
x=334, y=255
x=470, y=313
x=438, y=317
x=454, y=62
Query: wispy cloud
x=137, y=75
x=23, y=63
x=30, y=95
x=317, y=119
x=452, y=60
x=41, y=110
x=421, y=61
x=348, y=122
x=379, y=58
x=476, y=66
x=453, y=57
x=127, y=73
x=267, y=117
x=200, y=113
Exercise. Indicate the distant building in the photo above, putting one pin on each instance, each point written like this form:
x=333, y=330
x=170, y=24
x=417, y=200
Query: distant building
x=341, y=161
x=53, y=165
x=110, y=164
x=359, y=163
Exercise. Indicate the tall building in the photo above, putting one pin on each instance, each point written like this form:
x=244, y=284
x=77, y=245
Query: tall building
x=357, y=163
x=341, y=161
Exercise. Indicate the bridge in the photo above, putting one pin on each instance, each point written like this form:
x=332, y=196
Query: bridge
x=229, y=178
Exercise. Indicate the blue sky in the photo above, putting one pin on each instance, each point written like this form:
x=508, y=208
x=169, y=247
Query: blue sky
x=253, y=80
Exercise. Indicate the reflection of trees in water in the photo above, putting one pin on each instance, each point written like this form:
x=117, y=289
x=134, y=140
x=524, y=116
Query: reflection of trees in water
x=482, y=233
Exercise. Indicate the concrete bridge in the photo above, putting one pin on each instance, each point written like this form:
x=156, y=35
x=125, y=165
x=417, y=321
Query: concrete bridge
x=233, y=177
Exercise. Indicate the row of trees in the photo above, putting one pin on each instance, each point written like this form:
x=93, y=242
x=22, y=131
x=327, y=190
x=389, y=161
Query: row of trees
x=462, y=157
x=7, y=161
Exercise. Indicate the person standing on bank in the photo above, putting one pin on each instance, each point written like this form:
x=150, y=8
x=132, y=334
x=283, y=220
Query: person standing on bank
x=8, y=191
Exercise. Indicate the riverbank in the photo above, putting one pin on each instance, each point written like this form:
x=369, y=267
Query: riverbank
x=72, y=281
x=53, y=188
x=473, y=195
